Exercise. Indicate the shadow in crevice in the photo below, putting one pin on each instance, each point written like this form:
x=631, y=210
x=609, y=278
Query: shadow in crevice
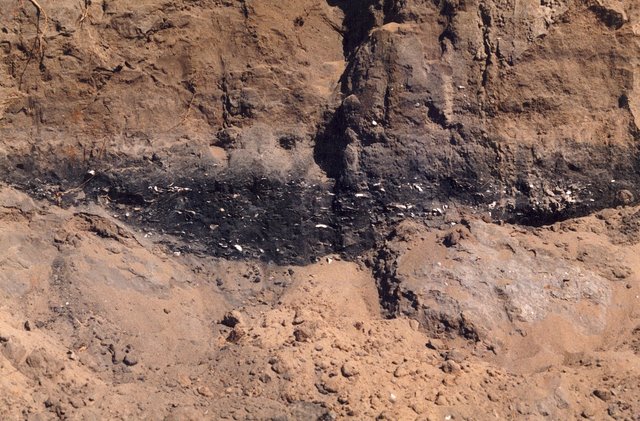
x=359, y=19
x=330, y=145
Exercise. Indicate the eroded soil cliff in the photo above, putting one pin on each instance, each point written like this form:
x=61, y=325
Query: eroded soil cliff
x=397, y=209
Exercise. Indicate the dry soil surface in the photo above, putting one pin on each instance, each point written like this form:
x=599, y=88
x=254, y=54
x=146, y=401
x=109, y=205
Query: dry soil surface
x=319, y=210
x=98, y=321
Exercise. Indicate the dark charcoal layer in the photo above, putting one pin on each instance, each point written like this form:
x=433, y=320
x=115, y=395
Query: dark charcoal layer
x=283, y=222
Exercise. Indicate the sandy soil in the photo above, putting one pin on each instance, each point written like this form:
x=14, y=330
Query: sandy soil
x=303, y=210
x=100, y=322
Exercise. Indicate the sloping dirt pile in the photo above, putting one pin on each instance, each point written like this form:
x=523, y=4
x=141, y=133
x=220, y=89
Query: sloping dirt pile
x=99, y=321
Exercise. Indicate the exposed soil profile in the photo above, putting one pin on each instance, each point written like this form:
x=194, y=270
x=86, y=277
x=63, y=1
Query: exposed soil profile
x=319, y=210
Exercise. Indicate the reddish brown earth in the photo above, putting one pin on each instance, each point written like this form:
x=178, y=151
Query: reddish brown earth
x=365, y=209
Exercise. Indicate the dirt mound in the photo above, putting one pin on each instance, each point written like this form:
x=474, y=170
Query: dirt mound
x=98, y=320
